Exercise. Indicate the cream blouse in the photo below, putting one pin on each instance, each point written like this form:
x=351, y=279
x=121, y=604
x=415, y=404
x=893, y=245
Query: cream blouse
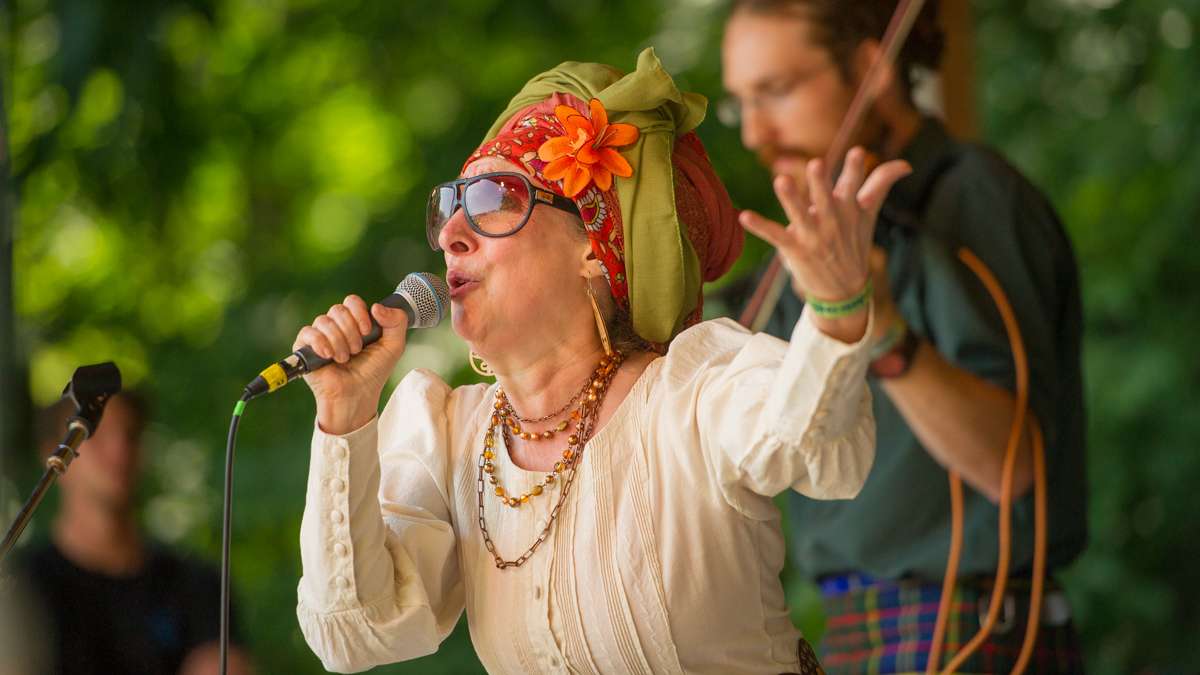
x=665, y=557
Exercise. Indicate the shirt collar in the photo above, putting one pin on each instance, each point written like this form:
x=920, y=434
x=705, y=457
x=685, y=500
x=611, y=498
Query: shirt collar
x=926, y=152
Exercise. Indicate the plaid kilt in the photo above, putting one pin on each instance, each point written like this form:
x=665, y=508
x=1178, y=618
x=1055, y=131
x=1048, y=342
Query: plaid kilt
x=877, y=626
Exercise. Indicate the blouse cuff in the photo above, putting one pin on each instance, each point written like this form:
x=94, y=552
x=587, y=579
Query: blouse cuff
x=806, y=413
x=343, y=471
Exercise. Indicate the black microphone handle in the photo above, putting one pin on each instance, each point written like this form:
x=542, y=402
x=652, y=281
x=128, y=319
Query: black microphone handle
x=310, y=361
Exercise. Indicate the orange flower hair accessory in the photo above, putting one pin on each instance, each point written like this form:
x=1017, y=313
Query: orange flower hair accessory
x=586, y=152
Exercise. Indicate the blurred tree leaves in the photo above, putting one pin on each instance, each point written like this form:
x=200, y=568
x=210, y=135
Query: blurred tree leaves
x=199, y=178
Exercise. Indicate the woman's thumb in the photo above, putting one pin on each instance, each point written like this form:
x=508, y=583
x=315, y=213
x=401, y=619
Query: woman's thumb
x=394, y=323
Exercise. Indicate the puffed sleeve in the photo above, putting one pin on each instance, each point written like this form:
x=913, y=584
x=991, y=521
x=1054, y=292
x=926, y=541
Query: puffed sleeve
x=381, y=580
x=772, y=415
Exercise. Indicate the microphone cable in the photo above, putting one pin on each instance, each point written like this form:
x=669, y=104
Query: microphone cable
x=424, y=297
x=227, y=526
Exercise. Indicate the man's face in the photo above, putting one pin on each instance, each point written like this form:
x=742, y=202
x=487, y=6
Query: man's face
x=106, y=471
x=793, y=96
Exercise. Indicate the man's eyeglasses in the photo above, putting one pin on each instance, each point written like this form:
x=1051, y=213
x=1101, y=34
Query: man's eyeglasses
x=496, y=204
x=731, y=110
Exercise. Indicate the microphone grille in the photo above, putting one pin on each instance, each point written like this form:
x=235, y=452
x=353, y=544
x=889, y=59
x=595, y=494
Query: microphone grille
x=429, y=296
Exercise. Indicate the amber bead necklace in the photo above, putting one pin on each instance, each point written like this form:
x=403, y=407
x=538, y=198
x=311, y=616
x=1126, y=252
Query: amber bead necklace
x=504, y=422
x=514, y=420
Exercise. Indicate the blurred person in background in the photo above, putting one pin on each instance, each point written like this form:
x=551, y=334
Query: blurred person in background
x=607, y=505
x=108, y=599
x=942, y=374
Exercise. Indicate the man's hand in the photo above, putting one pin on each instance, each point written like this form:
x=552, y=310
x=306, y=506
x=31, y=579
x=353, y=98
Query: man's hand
x=886, y=313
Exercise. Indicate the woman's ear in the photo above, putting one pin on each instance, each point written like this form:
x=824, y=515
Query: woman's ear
x=589, y=263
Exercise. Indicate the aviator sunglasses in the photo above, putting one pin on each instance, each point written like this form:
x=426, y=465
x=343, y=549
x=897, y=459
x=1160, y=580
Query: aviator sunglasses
x=496, y=204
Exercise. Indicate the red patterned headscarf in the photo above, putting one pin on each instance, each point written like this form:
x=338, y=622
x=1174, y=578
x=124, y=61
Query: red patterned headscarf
x=519, y=141
x=703, y=214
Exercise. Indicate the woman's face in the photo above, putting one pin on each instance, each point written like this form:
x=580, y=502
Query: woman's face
x=517, y=289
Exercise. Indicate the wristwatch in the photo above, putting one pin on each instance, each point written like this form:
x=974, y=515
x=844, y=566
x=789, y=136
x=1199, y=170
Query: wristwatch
x=896, y=360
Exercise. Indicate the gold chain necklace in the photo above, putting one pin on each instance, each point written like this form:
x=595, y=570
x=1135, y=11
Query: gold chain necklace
x=513, y=411
x=589, y=410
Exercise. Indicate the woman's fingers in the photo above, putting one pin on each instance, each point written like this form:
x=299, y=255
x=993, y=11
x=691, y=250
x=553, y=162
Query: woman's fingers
x=764, y=228
x=793, y=199
x=820, y=192
x=881, y=180
x=333, y=333
x=314, y=338
x=851, y=178
x=360, y=312
x=349, y=326
x=338, y=333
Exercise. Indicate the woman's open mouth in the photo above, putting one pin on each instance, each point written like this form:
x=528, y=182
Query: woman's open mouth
x=460, y=283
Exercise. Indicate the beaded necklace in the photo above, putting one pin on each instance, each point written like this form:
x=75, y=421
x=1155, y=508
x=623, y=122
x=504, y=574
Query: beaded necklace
x=504, y=422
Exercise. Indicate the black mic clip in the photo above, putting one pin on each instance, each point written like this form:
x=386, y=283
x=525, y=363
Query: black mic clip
x=89, y=389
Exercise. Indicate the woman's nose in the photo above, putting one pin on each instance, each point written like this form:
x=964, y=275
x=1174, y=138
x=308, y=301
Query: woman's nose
x=456, y=236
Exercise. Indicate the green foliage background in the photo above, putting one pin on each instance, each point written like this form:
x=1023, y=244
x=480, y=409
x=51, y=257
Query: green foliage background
x=197, y=179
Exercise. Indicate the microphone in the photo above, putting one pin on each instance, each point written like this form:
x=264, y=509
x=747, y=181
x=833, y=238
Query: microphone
x=424, y=297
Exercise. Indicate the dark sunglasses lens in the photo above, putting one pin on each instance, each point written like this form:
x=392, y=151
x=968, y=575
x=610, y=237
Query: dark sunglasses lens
x=438, y=213
x=497, y=204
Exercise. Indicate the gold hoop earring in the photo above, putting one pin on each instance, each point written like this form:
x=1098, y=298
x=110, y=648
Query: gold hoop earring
x=601, y=328
x=480, y=366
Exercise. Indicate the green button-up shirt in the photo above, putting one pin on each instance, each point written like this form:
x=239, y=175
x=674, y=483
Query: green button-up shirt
x=961, y=195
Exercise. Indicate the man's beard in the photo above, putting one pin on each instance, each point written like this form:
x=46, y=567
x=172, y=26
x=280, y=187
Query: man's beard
x=767, y=155
x=872, y=136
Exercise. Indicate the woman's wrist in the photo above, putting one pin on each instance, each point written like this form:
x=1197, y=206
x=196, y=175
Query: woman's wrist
x=844, y=307
x=849, y=329
x=845, y=319
x=338, y=418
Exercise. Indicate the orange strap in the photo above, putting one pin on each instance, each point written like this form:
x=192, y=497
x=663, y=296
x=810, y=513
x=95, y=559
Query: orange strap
x=1006, y=497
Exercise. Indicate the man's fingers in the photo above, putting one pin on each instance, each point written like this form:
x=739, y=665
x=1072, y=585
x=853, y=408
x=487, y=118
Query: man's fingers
x=881, y=180
x=878, y=259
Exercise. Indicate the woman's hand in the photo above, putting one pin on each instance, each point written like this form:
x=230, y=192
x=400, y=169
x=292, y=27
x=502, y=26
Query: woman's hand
x=347, y=390
x=826, y=244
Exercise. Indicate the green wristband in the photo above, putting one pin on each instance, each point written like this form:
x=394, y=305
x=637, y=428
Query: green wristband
x=834, y=310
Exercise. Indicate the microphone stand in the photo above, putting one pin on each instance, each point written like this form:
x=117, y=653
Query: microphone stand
x=56, y=465
x=90, y=388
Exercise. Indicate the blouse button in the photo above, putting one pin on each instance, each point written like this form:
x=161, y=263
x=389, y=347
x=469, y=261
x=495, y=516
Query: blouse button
x=337, y=484
x=339, y=451
x=342, y=582
x=336, y=516
x=340, y=549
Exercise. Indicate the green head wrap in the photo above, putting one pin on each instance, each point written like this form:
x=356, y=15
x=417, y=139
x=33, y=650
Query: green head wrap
x=662, y=268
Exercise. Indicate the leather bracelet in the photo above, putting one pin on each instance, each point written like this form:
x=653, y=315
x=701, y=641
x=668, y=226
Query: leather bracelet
x=897, y=360
x=895, y=333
